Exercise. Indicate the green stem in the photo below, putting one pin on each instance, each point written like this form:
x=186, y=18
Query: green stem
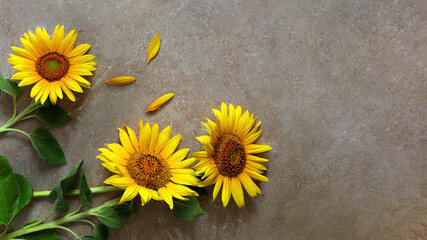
x=101, y=189
x=14, y=130
x=88, y=222
x=14, y=107
x=38, y=222
x=68, y=230
x=14, y=119
x=58, y=222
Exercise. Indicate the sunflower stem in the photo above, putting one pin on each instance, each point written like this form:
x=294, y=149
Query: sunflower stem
x=14, y=119
x=102, y=189
x=57, y=223
x=14, y=130
x=14, y=108
x=88, y=222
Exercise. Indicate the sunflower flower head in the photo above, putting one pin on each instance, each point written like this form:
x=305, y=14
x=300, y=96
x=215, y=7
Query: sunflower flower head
x=54, y=65
x=149, y=166
x=229, y=159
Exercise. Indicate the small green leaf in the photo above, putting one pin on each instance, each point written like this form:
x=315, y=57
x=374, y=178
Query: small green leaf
x=85, y=192
x=25, y=191
x=48, y=234
x=61, y=206
x=47, y=146
x=187, y=210
x=9, y=192
x=10, y=87
x=110, y=217
x=52, y=115
x=101, y=232
x=57, y=193
x=125, y=209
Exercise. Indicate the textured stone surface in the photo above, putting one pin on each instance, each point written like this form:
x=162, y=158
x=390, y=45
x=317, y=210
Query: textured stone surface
x=340, y=88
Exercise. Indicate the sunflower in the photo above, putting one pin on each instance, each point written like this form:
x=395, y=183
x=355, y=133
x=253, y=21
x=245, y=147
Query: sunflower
x=53, y=65
x=228, y=158
x=149, y=166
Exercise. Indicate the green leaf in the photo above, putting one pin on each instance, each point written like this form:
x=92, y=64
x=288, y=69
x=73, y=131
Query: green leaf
x=48, y=234
x=47, y=146
x=61, y=206
x=9, y=192
x=57, y=193
x=10, y=87
x=125, y=209
x=25, y=191
x=85, y=192
x=52, y=115
x=110, y=217
x=187, y=210
x=101, y=232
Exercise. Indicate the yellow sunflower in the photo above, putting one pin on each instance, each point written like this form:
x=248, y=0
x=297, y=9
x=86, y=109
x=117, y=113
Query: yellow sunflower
x=53, y=65
x=149, y=166
x=228, y=158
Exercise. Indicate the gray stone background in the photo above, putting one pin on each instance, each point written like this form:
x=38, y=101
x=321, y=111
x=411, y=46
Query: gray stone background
x=340, y=88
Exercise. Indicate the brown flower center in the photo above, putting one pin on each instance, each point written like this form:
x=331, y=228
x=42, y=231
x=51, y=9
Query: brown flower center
x=52, y=66
x=148, y=170
x=230, y=155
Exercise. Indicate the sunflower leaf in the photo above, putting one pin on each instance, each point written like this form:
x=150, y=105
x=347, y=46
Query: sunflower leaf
x=25, y=191
x=57, y=194
x=9, y=192
x=187, y=210
x=101, y=232
x=10, y=87
x=52, y=115
x=153, y=48
x=125, y=209
x=110, y=217
x=47, y=146
x=48, y=234
x=85, y=192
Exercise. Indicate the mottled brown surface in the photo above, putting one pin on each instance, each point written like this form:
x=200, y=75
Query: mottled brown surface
x=340, y=88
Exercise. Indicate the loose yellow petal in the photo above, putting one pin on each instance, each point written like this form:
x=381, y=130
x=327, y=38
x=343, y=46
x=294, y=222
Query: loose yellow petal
x=153, y=48
x=121, y=80
x=159, y=102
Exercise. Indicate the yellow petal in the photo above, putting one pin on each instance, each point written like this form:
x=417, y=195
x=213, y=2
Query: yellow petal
x=144, y=138
x=153, y=48
x=145, y=195
x=256, y=148
x=154, y=137
x=129, y=193
x=133, y=138
x=164, y=137
x=171, y=146
x=159, y=102
x=226, y=191
x=119, y=181
x=251, y=188
x=125, y=140
x=121, y=80
x=237, y=191
x=165, y=194
x=217, y=187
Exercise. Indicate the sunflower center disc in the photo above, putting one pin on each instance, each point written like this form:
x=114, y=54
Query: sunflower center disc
x=148, y=171
x=230, y=155
x=52, y=66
